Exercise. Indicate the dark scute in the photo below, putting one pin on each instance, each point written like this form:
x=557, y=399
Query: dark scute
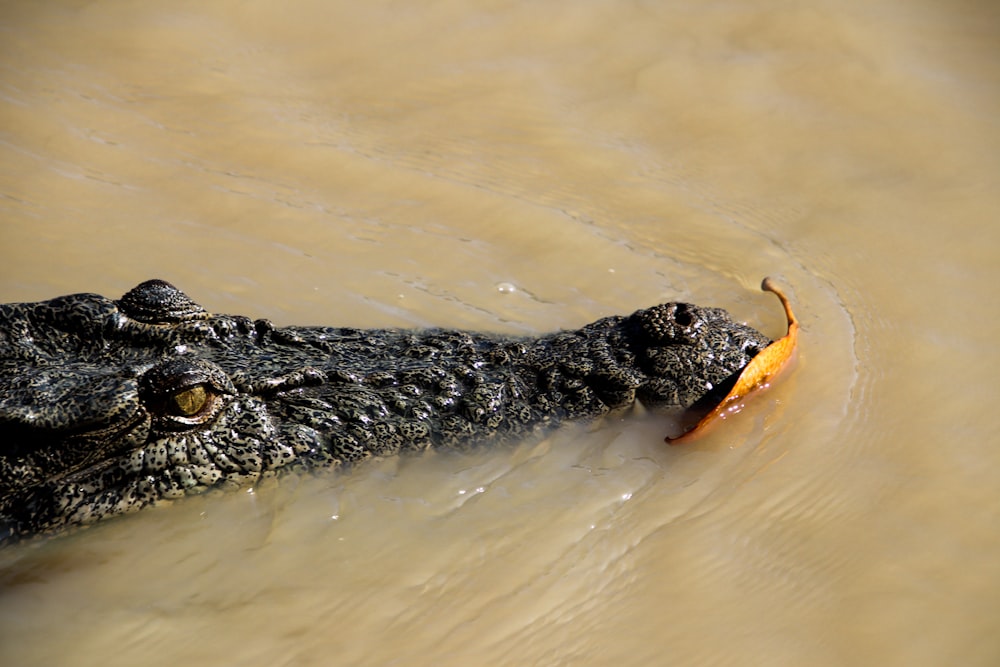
x=159, y=302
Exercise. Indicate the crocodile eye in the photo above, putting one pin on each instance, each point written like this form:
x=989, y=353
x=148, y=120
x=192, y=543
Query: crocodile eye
x=189, y=406
x=182, y=393
x=192, y=405
x=189, y=402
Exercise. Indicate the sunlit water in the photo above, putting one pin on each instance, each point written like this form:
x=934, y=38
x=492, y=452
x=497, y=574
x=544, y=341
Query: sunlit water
x=526, y=167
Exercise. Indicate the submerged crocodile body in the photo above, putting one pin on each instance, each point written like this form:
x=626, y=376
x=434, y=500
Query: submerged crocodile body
x=108, y=406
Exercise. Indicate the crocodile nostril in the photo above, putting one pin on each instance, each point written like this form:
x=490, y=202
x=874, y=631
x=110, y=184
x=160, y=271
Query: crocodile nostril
x=682, y=316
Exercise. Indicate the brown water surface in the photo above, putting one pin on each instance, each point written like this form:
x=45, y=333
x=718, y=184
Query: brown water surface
x=387, y=163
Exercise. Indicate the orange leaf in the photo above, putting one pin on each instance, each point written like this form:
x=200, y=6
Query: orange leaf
x=757, y=374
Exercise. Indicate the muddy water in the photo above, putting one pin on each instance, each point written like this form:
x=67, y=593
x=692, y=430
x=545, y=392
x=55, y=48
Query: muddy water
x=386, y=164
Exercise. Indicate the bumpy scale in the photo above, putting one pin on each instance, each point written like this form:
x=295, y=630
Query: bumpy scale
x=108, y=406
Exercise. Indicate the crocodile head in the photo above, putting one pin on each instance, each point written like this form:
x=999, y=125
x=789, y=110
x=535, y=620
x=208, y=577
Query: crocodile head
x=107, y=406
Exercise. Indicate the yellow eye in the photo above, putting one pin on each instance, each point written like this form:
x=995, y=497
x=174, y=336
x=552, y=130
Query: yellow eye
x=191, y=401
x=180, y=393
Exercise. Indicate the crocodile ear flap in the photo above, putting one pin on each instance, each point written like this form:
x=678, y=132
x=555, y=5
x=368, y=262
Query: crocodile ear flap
x=80, y=404
x=159, y=302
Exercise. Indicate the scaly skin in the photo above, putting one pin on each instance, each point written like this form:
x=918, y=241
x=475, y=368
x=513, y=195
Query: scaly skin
x=109, y=406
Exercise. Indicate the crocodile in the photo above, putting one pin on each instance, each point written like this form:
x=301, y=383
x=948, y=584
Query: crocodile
x=108, y=406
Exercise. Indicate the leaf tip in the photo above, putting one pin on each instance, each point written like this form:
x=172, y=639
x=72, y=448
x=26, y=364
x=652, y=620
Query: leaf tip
x=758, y=373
